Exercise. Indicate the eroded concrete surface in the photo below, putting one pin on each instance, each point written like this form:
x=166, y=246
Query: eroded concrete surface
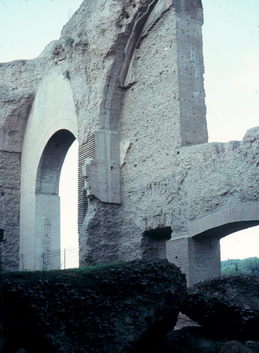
x=135, y=71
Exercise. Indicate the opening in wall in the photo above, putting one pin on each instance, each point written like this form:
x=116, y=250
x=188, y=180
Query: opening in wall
x=68, y=191
x=49, y=251
x=240, y=252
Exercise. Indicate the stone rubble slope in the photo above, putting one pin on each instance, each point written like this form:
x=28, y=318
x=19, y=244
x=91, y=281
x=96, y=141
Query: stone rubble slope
x=118, y=308
x=226, y=307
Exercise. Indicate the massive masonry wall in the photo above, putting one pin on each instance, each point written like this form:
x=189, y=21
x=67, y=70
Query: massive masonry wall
x=18, y=84
x=143, y=102
x=135, y=71
x=167, y=74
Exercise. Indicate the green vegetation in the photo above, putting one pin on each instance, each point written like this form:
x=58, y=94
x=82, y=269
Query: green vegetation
x=73, y=272
x=96, y=267
x=232, y=267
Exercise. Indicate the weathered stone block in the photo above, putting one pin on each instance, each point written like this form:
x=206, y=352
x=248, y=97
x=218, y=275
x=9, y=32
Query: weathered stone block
x=227, y=307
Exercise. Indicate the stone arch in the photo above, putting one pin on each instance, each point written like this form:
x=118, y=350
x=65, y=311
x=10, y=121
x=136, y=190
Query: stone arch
x=226, y=221
x=200, y=249
x=51, y=162
x=47, y=217
x=51, y=129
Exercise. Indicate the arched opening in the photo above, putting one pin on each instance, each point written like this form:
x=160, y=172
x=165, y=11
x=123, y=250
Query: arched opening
x=206, y=247
x=50, y=130
x=47, y=216
x=68, y=192
x=198, y=252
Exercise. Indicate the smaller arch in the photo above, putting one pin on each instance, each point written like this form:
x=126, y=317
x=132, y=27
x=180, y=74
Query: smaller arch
x=197, y=252
x=226, y=221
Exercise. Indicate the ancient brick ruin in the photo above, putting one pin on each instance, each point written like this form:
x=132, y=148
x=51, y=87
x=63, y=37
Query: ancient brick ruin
x=126, y=80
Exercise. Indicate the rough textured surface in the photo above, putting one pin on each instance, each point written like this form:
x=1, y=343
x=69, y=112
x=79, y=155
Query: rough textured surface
x=191, y=340
x=253, y=345
x=121, y=308
x=19, y=81
x=227, y=307
x=234, y=347
x=224, y=199
x=197, y=340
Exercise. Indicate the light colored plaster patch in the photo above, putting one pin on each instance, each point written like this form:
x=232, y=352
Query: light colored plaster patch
x=124, y=147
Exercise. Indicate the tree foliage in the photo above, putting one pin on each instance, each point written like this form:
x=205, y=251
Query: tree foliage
x=232, y=267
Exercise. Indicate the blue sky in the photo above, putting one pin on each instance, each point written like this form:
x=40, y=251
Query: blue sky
x=27, y=26
x=231, y=53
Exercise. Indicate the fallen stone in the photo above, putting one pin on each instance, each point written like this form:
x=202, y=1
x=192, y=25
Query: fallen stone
x=191, y=340
x=119, y=308
x=184, y=321
x=253, y=345
x=227, y=307
x=234, y=347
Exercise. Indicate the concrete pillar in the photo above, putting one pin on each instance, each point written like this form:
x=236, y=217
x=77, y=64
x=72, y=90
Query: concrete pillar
x=198, y=258
x=153, y=249
x=154, y=243
x=189, y=21
x=47, y=232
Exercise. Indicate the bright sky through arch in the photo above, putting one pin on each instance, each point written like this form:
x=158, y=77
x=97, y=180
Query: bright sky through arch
x=231, y=50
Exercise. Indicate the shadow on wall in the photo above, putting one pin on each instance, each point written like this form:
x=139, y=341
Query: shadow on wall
x=1, y=242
